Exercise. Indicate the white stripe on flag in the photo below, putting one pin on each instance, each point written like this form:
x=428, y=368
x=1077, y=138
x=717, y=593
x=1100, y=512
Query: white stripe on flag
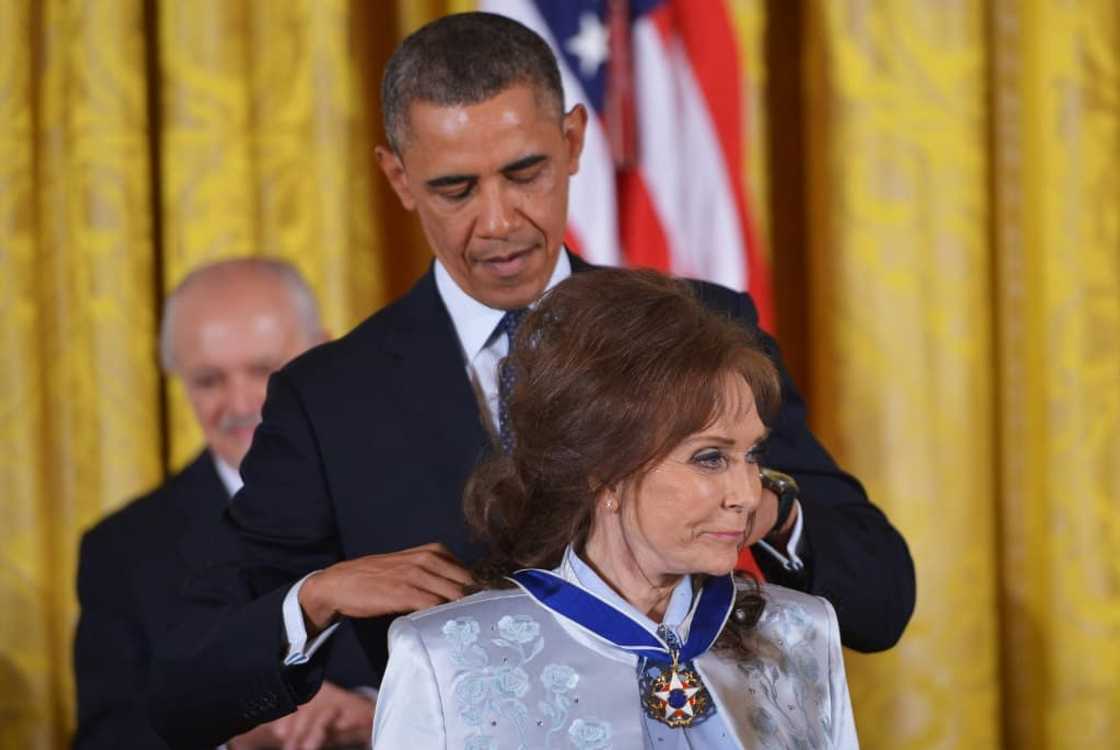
x=682, y=164
x=592, y=204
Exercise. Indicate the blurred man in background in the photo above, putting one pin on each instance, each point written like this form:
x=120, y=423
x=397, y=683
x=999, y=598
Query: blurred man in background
x=225, y=329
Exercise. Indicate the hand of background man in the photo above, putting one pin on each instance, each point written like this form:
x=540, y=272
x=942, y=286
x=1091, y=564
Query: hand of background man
x=334, y=718
x=377, y=585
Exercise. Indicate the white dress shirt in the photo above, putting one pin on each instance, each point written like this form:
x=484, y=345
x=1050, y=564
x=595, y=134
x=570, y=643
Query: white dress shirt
x=482, y=346
x=230, y=476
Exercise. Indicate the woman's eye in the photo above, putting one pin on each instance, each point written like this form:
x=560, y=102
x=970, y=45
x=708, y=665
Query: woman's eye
x=755, y=454
x=710, y=459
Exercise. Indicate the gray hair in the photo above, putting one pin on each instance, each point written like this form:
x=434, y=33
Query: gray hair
x=302, y=298
x=465, y=58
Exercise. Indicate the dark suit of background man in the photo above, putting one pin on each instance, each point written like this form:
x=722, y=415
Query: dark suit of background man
x=226, y=328
x=367, y=441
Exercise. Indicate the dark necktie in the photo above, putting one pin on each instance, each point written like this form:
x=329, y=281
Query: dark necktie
x=508, y=325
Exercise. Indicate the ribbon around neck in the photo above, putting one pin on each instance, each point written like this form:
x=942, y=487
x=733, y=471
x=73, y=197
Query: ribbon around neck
x=616, y=627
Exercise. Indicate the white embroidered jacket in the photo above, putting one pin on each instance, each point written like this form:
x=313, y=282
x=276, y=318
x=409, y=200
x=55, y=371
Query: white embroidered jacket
x=497, y=670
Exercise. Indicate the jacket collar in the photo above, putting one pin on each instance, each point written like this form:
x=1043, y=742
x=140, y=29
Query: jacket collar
x=721, y=675
x=423, y=340
x=202, y=498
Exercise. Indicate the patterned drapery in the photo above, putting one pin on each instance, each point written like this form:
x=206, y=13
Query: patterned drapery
x=964, y=216
x=139, y=138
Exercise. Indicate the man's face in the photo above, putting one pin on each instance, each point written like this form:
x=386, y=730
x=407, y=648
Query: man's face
x=490, y=184
x=228, y=337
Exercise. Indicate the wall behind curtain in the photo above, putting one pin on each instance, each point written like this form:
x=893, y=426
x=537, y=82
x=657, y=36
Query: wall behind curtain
x=943, y=180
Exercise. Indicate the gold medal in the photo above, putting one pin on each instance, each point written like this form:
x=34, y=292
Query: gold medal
x=676, y=697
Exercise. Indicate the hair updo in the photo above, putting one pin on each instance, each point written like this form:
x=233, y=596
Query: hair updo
x=614, y=368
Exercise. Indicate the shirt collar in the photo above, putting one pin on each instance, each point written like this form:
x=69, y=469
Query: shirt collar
x=230, y=476
x=475, y=322
x=680, y=601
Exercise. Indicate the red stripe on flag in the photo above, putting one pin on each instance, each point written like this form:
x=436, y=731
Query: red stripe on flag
x=662, y=17
x=747, y=564
x=714, y=54
x=619, y=113
x=713, y=51
x=715, y=64
x=572, y=240
x=639, y=225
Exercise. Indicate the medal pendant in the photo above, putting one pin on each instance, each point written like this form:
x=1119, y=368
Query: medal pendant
x=676, y=697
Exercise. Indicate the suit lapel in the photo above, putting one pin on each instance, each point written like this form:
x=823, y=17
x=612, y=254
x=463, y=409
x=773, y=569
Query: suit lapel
x=201, y=498
x=446, y=418
x=431, y=362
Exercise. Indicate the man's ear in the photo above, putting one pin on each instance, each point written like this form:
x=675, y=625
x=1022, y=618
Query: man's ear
x=575, y=127
x=393, y=168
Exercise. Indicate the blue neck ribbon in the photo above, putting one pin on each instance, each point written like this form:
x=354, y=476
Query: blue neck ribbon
x=609, y=623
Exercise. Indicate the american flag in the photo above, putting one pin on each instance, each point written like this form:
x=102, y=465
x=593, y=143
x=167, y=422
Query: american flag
x=661, y=183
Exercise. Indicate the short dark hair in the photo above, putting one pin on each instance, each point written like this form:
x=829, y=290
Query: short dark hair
x=614, y=368
x=465, y=58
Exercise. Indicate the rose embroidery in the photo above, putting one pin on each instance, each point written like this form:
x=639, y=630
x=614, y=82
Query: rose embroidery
x=559, y=678
x=519, y=628
x=588, y=734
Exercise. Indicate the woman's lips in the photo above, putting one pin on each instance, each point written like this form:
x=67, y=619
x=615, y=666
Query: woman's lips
x=725, y=536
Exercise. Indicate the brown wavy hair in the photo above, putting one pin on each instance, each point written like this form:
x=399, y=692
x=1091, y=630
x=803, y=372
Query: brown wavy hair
x=614, y=368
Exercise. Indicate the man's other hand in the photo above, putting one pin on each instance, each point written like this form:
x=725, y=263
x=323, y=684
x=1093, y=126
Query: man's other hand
x=377, y=585
x=334, y=718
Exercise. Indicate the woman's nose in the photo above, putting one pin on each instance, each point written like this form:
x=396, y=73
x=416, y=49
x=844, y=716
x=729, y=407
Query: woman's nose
x=744, y=490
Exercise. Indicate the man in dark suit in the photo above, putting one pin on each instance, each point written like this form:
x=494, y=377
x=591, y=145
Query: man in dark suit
x=225, y=329
x=358, y=468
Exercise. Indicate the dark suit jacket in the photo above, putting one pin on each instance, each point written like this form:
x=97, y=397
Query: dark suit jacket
x=132, y=574
x=364, y=448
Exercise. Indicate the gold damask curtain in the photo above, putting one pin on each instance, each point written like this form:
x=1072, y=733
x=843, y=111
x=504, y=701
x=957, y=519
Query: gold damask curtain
x=139, y=138
x=950, y=297
x=964, y=256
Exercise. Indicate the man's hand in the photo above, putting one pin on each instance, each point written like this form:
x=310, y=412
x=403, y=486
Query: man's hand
x=377, y=585
x=333, y=718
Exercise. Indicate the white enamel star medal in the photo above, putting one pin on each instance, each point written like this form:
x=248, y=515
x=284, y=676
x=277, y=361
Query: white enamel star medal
x=676, y=697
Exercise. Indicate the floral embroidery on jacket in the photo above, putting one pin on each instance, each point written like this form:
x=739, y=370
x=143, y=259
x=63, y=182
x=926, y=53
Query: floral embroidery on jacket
x=487, y=691
x=558, y=680
x=788, y=662
x=590, y=735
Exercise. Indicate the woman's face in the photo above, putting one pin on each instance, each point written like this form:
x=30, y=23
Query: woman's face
x=694, y=510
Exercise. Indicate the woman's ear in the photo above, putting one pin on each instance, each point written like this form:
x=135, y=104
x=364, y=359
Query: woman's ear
x=611, y=499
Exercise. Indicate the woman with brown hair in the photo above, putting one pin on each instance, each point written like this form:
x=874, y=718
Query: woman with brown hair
x=608, y=615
